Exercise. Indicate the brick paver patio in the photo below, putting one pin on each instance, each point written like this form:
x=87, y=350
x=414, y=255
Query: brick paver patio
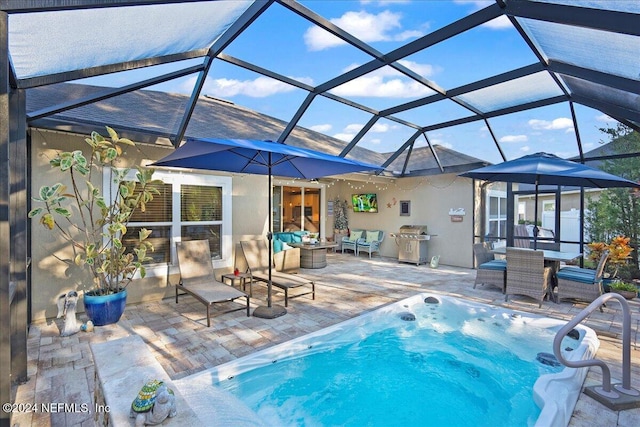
x=61, y=368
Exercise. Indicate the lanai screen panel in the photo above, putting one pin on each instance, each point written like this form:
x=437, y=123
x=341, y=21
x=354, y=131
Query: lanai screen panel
x=617, y=54
x=53, y=42
x=535, y=87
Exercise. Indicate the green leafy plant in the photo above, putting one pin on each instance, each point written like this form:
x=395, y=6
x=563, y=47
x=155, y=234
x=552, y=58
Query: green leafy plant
x=619, y=285
x=92, y=224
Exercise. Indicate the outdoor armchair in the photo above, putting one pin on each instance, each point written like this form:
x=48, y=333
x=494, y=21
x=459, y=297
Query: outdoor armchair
x=370, y=242
x=527, y=274
x=490, y=271
x=351, y=241
x=581, y=283
x=197, y=277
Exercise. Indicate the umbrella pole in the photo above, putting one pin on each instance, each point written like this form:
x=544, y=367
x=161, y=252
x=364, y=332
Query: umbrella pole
x=270, y=311
x=535, y=219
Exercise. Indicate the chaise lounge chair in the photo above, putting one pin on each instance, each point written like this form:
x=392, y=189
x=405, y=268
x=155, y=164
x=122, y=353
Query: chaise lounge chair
x=257, y=259
x=198, y=280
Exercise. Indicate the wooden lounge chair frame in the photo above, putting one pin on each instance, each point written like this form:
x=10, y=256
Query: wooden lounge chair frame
x=198, y=280
x=257, y=260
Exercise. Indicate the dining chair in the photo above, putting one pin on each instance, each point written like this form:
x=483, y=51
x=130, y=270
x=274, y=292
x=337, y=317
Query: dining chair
x=581, y=283
x=527, y=274
x=490, y=271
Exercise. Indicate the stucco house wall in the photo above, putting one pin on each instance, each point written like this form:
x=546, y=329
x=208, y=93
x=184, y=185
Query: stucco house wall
x=431, y=199
x=51, y=277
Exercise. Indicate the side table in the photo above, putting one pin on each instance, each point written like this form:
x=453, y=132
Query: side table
x=242, y=281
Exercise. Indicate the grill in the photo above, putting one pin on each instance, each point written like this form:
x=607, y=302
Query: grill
x=412, y=244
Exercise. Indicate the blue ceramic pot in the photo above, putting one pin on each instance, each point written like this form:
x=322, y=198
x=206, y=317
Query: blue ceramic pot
x=105, y=309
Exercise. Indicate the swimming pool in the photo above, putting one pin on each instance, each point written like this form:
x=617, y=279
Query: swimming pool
x=412, y=363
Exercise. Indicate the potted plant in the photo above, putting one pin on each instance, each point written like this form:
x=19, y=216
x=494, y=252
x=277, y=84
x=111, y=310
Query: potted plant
x=94, y=225
x=619, y=255
x=627, y=290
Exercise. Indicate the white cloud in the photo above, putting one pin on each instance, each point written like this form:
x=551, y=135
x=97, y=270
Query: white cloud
x=366, y=26
x=525, y=149
x=321, y=128
x=555, y=124
x=514, y=138
x=353, y=128
x=425, y=70
x=377, y=84
x=344, y=136
x=380, y=128
x=385, y=2
x=499, y=23
x=260, y=87
x=478, y=4
x=387, y=82
x=604, y=118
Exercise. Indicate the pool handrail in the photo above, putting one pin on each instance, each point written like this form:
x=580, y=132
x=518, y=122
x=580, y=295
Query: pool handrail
x=606, y=390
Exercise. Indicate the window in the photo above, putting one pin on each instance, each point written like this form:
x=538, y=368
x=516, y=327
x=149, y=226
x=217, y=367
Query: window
x=496, y=215
x=189, y=207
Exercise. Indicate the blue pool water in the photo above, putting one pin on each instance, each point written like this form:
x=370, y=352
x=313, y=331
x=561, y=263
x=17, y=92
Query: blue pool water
x=456, y=364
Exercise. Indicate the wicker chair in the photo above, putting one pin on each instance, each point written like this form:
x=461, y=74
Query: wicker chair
x=581, y=283
x=527, y=275
x=351, y=242
x=370, y=242
x=490, y=271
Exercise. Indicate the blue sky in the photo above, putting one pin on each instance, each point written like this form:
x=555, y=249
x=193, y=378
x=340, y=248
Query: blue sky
x=283, y=42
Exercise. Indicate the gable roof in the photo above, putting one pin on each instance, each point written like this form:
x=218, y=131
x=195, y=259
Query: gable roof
x=144, y=116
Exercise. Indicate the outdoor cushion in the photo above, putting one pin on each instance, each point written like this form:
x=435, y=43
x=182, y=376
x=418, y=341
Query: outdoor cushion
x=372, y=236
x=496, y=264
x=355, y=235
x=581, y=275
x=290, y=236
x=277, y=245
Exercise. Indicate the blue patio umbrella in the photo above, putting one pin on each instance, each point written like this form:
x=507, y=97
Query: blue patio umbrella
x=261, y=158
x=547, y=169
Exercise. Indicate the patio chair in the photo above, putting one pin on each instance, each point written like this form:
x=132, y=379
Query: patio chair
x=370, y=242
x=581, y=283
x=521, y=241
x=351, y=241
x=490, y=271
x=198, y=280
x=257, y=260
x=527, y=275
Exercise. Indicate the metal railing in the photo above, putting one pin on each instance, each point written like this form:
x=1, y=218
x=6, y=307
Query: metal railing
x=607, y=390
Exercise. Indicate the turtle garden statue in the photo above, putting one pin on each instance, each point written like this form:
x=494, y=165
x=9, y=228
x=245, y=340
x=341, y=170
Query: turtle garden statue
x=154, y=403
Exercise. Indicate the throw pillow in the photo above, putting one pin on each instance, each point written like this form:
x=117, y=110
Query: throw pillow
x=355, y=235
x=277, y=245
x=372, y=236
